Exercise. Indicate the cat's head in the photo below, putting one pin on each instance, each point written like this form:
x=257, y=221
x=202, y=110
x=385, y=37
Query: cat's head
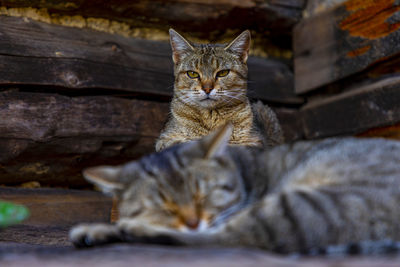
x=191, y=186
x=210, y=75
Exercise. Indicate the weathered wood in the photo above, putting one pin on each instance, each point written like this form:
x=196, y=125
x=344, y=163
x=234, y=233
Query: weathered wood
x=271, y=80
x=291, y=123
x=50, y=235
x=52, y=213
x=123, y=255
x=49, y=138
x=41, y=117
x=350, y=38
x=390, y=132
x=36, y=53
x=314, y=7
x=198, y=17
x=353, y=111
x=59, y=207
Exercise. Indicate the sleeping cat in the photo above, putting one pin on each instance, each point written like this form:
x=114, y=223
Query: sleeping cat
x=292, y=197
x=209, y=90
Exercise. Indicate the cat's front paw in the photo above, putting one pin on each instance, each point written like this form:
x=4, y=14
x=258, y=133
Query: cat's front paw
x=88, y=235
x=136, y=232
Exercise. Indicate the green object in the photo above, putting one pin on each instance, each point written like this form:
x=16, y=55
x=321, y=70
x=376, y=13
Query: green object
x=11, y=213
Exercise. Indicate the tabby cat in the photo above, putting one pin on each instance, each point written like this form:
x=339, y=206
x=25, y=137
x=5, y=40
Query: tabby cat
x=210, y=89
x=288, y=198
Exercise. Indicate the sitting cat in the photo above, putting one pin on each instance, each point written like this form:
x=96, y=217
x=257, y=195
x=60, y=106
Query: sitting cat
x=210, y=90
x=288, y=198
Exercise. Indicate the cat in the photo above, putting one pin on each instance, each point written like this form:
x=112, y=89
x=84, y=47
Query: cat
x=289, y=198
x=210, y=90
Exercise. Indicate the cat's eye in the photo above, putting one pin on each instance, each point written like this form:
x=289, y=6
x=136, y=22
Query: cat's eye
x=222, y=73
x=192, y=74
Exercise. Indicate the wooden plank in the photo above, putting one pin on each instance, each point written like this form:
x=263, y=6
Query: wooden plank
x=314, y=7
x=126, y=255
x=52, y=213
x=41, y=117
x=291, y=123
x=50, y=138
x=390, y=132
x=271, y=80
x=36, y=53
x=50, y=235
x=59, y=207
x=353, y=111
x=350, y=38
x=199, y=17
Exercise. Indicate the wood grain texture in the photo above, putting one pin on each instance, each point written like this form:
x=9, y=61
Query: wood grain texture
x=200, y=17
x=59, y=207
x=52, y=213
x=35, y=53
x=350, y=38
x=389, y=132
x=50, y=138
x=353, y=111
x=123, y=255
x=291, y=123
x=41, y=117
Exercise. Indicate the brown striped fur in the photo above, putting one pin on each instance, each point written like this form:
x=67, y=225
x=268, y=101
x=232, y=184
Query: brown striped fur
x=288, y=198
x=205, y=103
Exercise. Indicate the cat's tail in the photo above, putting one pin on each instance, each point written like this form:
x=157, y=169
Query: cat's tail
x=266, y=120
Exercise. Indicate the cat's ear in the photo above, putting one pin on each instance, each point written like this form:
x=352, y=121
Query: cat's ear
x=180, y=46
x=215, y=143
x=241, y=45
x=107, y=178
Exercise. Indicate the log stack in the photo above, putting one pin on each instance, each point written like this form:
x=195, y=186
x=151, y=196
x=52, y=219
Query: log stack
x=346, y=56
x=75, y=97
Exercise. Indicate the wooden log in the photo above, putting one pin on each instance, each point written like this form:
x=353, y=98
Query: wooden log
x=41, y=117
x=198, y=17
x=59, y=207
x=389, y=132
x=35, y=53
x=51, y=235
x=352, y=37
x=49, y=138
x=314, y=7
x=52, y=213
x=353, y=111
x=291, y=123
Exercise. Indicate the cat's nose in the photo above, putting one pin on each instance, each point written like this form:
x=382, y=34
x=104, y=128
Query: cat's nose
x=207, y=89
x=192, y=223
x=207, y=86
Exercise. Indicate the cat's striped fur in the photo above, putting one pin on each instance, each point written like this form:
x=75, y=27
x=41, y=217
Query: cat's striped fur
x=205, y=100
x=292, y=197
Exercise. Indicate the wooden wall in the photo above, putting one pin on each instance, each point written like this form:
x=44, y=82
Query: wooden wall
x=73, y=95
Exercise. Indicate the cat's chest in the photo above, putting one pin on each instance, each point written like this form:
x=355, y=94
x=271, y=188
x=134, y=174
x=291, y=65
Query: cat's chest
x=241, y=128
x=213, y=119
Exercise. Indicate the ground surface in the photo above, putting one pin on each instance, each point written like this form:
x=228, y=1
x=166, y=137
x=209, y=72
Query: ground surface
x=50, y=247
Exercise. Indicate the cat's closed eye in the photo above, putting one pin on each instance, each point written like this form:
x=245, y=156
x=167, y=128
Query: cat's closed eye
x=224, y=196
